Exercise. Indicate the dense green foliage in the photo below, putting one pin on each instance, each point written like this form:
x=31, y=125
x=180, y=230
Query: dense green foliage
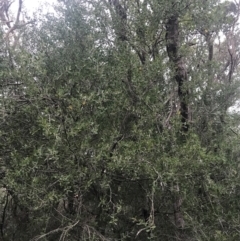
x=115, y=123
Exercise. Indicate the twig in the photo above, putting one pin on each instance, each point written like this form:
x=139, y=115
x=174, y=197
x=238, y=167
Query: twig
x=65, y=230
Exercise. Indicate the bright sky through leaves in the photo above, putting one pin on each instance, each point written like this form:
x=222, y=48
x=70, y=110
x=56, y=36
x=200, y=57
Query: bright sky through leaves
x=32, y=5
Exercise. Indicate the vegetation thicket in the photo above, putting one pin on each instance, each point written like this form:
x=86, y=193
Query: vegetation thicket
x=115, y=121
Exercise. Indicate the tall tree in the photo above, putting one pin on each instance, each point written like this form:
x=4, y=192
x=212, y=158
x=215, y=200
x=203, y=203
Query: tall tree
x=116, y=125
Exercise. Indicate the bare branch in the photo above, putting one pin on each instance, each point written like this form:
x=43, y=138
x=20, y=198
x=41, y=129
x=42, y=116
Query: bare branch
x=15, y=26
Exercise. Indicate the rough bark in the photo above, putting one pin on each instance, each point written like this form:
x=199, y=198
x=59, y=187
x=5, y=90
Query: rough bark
x=180, y=75
x=177, y=62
